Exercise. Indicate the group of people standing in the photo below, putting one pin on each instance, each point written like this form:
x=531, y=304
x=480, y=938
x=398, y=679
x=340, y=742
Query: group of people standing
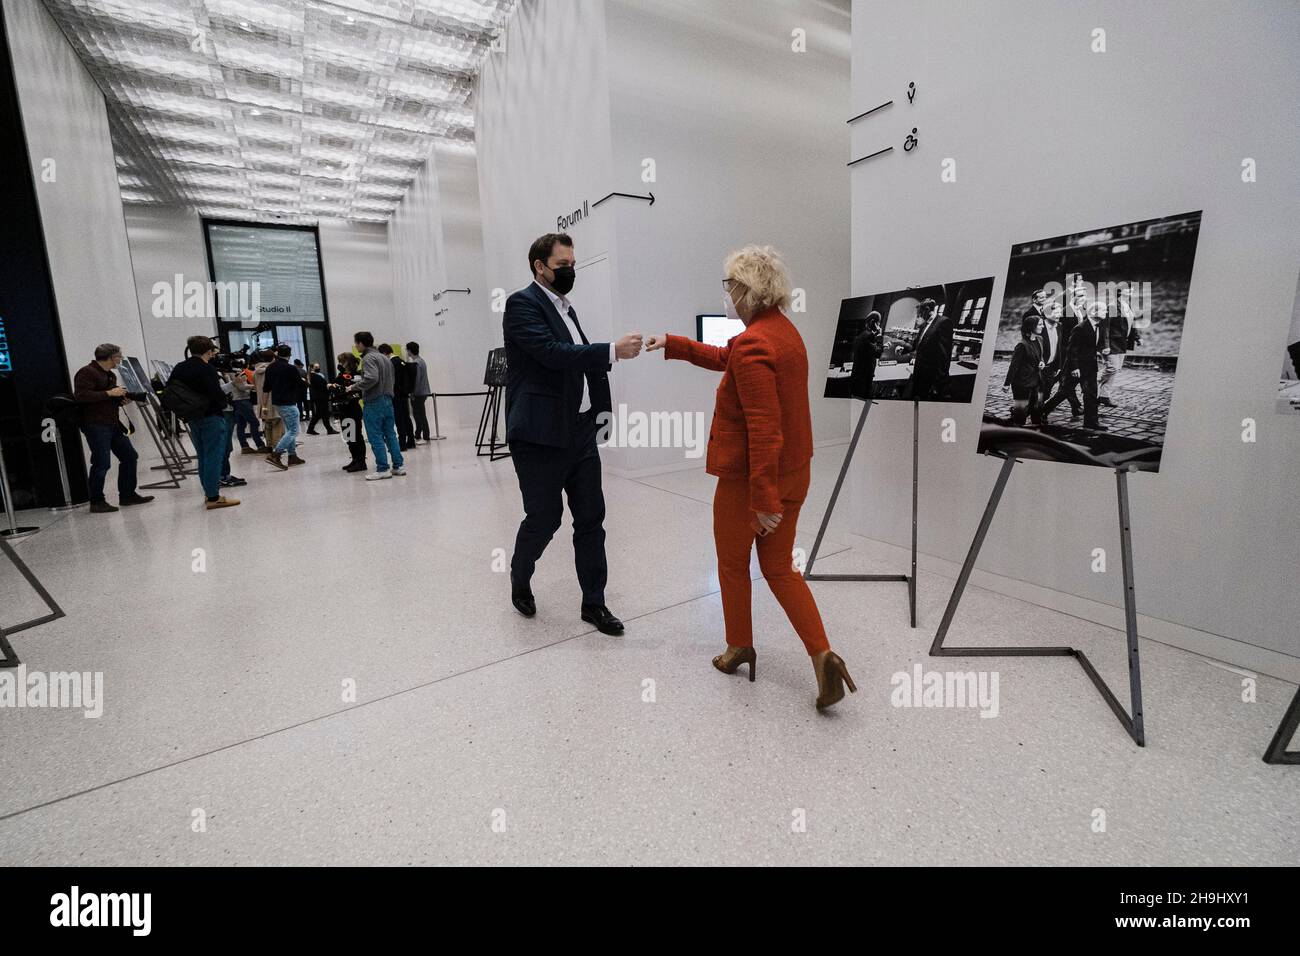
x=1072, y=355
x=377, y=396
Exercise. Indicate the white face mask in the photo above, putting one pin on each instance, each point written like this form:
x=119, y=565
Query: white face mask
x=730, y=306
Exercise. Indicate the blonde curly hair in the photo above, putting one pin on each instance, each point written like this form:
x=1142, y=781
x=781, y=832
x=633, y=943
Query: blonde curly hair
x=763, y=276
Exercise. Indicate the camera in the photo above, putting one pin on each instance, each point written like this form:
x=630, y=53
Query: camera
x=136, y=396
x=231, y=362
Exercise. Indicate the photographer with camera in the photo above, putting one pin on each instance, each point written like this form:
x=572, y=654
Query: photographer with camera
x=96, y=390
x=197, y=394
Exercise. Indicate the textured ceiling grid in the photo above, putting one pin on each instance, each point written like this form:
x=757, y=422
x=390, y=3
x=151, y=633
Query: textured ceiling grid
x=281, y=110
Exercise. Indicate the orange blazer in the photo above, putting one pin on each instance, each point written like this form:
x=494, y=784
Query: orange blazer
x=762, y=427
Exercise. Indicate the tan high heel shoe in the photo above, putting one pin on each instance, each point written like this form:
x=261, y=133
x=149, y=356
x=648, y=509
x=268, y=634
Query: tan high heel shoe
x=832, y=675
x=729, y=661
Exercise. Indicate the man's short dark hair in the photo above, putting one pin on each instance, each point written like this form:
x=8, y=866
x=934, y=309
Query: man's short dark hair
x=385, y=348
x=106, y=351
x=413, y=348
x=543, y=246
x=284, y=351
x=364, y=338
x=928, y=305
x=200, y=344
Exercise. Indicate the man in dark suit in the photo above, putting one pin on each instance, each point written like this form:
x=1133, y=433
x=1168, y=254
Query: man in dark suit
x=1120, y=339
x=1037, y=303
x=1068, y=390
x=1081, y=361
x=557, y=398
x=932, y=354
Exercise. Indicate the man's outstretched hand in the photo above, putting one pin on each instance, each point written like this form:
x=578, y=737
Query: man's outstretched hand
x=629, y=346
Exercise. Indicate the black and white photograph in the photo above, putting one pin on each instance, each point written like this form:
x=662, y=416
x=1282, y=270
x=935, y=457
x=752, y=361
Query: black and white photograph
x=1288, y=387
x=1087, y=348
x=918, y=344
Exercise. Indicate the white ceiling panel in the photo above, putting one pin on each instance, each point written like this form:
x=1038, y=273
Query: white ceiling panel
x=283, y=110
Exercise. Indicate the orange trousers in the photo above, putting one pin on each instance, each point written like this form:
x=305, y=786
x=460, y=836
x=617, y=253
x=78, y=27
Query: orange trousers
x=734, y=535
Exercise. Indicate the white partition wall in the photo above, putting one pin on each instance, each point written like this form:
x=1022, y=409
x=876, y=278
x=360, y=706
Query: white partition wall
x=76, y=177
x=744, y=134
x=1049, y=134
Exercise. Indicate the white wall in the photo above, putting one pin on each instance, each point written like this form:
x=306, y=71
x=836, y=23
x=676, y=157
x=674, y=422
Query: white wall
x=81, y=208
x=747, y=136
x=1051, y=138
x=358, y=279
x=747, y=140
x=167, y=241
x=418, y=271
x=472, y=325
x=543, y=130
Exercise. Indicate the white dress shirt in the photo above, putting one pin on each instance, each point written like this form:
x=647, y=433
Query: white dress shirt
x=1050, y=331
x=562, y=306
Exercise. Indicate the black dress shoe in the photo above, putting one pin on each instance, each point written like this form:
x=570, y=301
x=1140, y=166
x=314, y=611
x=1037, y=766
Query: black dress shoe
x=1106, y=401
x=355, y=466
x=601, y=616
x=101, y=508
x=1097, y=427
x=524, y=602
x=135, y=500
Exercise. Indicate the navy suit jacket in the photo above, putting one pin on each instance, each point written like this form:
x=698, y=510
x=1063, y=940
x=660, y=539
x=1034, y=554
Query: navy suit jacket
x=545, y=369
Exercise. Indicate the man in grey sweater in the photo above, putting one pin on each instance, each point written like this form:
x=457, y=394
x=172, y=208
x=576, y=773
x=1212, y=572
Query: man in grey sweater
x=375, y=384
x=420, y=391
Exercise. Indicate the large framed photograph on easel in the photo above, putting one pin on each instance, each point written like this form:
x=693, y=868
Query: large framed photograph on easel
x=1093, y=320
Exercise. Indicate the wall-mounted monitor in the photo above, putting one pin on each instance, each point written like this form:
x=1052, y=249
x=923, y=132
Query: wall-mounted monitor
x=717, y=329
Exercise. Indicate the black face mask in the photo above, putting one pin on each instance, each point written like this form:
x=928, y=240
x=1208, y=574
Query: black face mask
x=564, y=278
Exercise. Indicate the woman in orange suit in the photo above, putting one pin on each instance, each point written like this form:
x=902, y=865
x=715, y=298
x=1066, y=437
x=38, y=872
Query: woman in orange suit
x=760, y=450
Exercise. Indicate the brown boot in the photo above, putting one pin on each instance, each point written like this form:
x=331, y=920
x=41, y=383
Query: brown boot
x=295, y=460
x=274, y=459
x=832, y=675
x=222, y=502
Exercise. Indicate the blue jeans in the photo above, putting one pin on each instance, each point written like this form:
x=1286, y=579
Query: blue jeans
x=381, y=429
x=246, y=422
x=106, y=441
x=289, y=443
x=209, y=434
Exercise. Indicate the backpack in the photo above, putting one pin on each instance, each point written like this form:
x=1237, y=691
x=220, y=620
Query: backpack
x=182, y=401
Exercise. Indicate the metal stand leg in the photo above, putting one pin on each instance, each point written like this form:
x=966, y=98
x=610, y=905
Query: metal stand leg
x=63, y=474
x=1277, y=752
x=14, y=531
x=7, y=656
x=1132, y=725
x=437, y=429
x=826, y=519
x=916, y=459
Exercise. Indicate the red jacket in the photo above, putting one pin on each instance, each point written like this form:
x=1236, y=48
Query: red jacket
x=762, y=428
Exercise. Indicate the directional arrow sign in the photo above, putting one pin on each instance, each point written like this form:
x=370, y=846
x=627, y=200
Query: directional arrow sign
x=650, y=198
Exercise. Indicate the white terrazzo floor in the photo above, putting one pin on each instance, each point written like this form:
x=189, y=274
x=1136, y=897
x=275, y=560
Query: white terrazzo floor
x=478, y=736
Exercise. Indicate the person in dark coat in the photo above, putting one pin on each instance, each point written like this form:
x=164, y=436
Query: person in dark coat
x=318, y=387
x=866, y=352
x=348, y=409
x=1024, y=376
